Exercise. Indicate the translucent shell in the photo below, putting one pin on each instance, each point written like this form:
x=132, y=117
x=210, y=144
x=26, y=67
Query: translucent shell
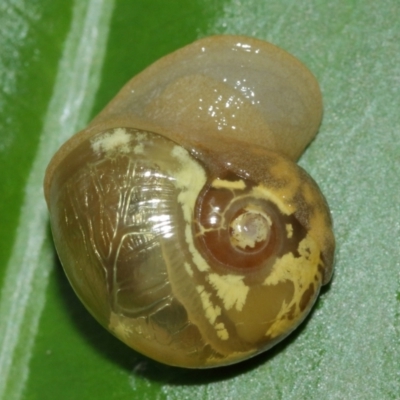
x=181, y=222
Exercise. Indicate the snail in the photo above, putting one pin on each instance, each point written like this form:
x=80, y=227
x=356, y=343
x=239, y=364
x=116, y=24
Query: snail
x=179, y=214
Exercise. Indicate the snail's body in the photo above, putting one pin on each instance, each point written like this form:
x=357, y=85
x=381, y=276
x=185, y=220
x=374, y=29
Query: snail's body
x=179, y=218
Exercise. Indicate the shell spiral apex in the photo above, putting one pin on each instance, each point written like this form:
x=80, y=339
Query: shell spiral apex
x=179, y=214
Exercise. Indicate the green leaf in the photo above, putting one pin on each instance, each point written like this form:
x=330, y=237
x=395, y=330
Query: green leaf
x=61, y=62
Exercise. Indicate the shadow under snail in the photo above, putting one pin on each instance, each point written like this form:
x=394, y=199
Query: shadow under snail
x=179, y=214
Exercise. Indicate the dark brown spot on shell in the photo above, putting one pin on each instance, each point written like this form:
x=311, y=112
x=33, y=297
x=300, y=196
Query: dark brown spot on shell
x=307, y=295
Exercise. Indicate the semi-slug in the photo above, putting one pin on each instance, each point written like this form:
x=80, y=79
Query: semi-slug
x=179, y=214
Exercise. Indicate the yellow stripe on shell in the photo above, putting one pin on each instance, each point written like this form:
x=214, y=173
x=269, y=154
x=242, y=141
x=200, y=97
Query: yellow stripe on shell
x=231, y=185
x=300, y=271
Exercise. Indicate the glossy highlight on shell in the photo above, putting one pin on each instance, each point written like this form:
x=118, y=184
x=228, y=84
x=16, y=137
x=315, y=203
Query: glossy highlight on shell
x=179, y=214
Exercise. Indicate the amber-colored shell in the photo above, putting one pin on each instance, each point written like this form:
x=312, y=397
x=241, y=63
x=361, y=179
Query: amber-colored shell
x=179, y=215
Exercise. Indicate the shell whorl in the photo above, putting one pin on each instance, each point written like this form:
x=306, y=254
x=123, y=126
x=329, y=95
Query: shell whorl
x=143, y=200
